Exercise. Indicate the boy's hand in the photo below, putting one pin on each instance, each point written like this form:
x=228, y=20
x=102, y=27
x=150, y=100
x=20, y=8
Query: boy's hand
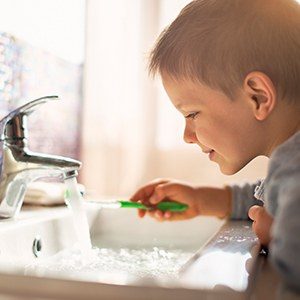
x=164, y=189
x=201, y=200
x=262, y=223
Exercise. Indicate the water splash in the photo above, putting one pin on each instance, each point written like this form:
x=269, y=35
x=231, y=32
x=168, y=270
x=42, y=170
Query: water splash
x=75, y=202
x=145, y=262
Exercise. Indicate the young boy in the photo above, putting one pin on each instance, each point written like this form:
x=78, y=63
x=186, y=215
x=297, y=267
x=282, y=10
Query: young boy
x=232, y=69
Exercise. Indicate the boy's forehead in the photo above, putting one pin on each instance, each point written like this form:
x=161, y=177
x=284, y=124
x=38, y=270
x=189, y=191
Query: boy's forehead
x=188, y=95
x=181, y=86
x=184, y=91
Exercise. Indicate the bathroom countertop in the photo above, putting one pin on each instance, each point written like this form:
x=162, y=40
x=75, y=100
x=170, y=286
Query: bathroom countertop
x=234, y=262
x=230, y=265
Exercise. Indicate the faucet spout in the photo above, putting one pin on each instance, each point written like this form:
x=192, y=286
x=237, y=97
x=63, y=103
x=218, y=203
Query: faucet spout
x=20, y=166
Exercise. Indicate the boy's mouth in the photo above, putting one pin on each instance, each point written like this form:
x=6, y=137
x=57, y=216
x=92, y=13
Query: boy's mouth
x=210, y=153
x=207, y=151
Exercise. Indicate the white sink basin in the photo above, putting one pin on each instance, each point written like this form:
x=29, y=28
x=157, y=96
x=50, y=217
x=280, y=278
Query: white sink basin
x=39, y=234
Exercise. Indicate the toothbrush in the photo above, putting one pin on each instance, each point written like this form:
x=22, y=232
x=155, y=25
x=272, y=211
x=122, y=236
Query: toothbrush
x=163, y=206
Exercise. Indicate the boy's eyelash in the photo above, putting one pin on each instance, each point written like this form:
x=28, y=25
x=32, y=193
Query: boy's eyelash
x=191, y=115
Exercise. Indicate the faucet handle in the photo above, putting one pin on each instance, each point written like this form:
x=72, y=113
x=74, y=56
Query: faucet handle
x=18, y=113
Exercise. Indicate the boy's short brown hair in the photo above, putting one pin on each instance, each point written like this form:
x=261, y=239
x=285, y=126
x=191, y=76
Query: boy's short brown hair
x=219, y=42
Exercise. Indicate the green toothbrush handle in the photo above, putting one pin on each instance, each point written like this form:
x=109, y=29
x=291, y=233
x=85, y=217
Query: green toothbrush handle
x=172, y=206
x=163, y=206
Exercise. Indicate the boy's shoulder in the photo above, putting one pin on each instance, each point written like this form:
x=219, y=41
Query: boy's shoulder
x=283, y=174
x=286, y=158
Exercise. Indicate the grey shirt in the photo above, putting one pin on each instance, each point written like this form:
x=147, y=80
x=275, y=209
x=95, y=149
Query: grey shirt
x=280, y=195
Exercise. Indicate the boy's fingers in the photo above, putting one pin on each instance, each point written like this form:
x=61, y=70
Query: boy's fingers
x=162, y=191
x=167, y=214
x=141, y=213
x=254, y=211
x=146, y=191
x=141, y=194
x=156, y=214
x=159, y=214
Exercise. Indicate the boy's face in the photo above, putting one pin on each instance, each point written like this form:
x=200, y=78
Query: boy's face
x=223, y=128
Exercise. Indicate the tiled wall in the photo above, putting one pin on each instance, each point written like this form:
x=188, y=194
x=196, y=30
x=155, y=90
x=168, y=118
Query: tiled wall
x=27, y=73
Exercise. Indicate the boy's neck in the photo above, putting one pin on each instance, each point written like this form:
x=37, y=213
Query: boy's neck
x=284, y=126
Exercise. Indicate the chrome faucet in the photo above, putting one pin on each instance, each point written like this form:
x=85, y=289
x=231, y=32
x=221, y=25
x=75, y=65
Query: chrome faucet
x=20, y=166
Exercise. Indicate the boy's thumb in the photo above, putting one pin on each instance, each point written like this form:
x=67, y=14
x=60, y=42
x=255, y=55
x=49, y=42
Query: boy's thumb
x=158, y=194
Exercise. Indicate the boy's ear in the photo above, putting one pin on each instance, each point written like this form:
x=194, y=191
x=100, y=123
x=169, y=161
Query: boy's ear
x=261, y=93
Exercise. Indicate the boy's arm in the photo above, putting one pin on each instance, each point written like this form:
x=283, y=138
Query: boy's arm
x=242, y=199
x=232, y=201
x=214, y=201
x=285, y=244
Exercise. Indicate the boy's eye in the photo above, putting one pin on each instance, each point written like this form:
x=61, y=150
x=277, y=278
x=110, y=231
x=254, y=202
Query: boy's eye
x=191, y=115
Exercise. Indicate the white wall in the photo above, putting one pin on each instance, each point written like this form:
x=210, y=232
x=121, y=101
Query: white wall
x=54, y=25
x=131, y=132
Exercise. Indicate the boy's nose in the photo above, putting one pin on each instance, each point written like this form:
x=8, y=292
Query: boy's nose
x=189, y=135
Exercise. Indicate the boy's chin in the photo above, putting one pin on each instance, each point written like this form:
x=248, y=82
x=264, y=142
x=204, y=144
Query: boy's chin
x=229, y=169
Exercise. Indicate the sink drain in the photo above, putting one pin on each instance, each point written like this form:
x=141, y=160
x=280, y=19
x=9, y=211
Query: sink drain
x=37, y=246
